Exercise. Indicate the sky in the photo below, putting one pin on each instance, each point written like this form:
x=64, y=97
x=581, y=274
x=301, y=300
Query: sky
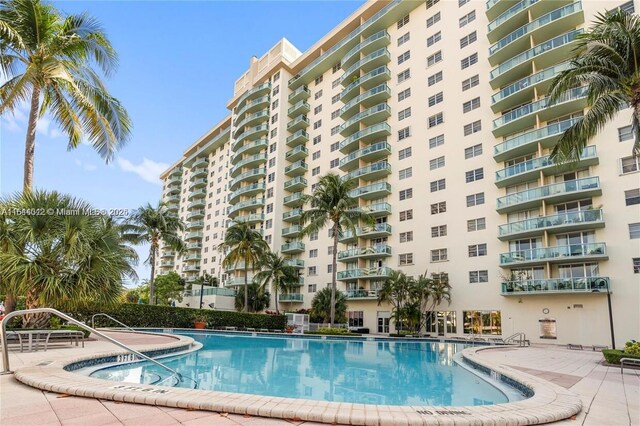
x=178, y=63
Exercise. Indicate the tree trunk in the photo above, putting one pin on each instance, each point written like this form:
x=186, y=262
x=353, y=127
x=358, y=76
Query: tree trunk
x=30, y=142
x=246, y=287
x=37, y=321
x=333, y=274
x=10, y=302
x=152, y=257
x=276, y=296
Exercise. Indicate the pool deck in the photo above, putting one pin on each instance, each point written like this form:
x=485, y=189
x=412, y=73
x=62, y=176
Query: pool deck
x=608, y=398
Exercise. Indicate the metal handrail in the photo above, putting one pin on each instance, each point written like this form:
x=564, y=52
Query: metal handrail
x=111, y=318
x=522, y=338
x=5, y=350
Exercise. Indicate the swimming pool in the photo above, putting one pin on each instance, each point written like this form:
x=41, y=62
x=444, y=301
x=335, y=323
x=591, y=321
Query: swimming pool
x=356, y=371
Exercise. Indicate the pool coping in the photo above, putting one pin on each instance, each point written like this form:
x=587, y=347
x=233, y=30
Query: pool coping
x=549, y=402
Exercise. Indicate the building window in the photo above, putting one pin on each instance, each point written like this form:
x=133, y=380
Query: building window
x=317, y=95
x=482, y=322
x=268, y=223
x=473, y=151
x=275, y=104
x=630, y=164
x=438, y=185
x=625, y=133
x=356, y=318
x=269, y=208
x=431, y=3
x=438, y=231
x=334, y=163
x=404, y=133
x=472, y=128
x=335, y=114
x=474, y=175
x=272, y=148
x=335, y=98
x=632, y=197
x=311, y=271
x=406, y=236
x=335, y=83
x=402, y=22
x=435, y=99
x=440, y=207
x=317, y=109
x=336, y=67
x=475, y=199
x=403, y=39
x=436, y=141
x=404, y=94
x=405, y=173
x=317, y=124
x=404, y=57
x=335, y=130
x=469, y=17
x=319, y=80
x=478, y=276
x=435, y=58
x=276, y=76
x=313, y=253
x=270, y=178
x=436, y=163
x=636, y=265
x=476, y=250
x=334, y=146
x=329, y=269
x=468, y=39
x=462, y=2
x=312, y=288
x=470, y=105
x=435, y=120
x=270, y=193
x=439, y=255
x=432, y=20
x=405, y=113
x=469, y=60
x=634, y=230
x=315, y=171
x=313, y=236
x=476, y=224
x=435, y=78
x=406, y=194
x=406, y=215
x=470, y=82
x=272, y=162
x=627, y=7
x=317, y=140
x=404, y=75
x=276, y=90
x=274, y=133
x=431, y=40
x=405, y=259
x=315, y=155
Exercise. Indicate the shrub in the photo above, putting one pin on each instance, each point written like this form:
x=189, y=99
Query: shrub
x=613, y=356
x=632, y=348
x=333, y=332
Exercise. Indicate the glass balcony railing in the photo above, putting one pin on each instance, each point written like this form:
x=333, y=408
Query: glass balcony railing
x=302, y=92
x=533, y=136
x=584, y=217
x=253, y=203
x=197, y=183
x=298, y=108
x=375, y=113
x=169, y=253
x=195, y=256
x=374, y=132
x=200, y=162
x=382, y=91
x=176, y=172
x=253, y=105
x=291, y=247
x=291, y=230
x=528, y=82
x=554, y=254
x=261, y=88
x=194, y=246
x=249, y=148
x=361, y=294
x=296, y=153
x=291, y=297
x=364, y=273
x=195, y=224
x=254, y=174
x=381, y=250
x=509, y=13
x=556, y=285
x=250, y=218
x=542, y=192
x=210, y=291
x=254, y=131
x=377, y=209
x=295, y=198
x=381, y=37
x=296, y=182
x=377, y=170
x=258, y=116
x=251, y=160
x=252, y=188
x=377, y=57
x=300, y=136
x=297, y=123
x=299, y=167
x=291, y=214
x=167, y=263
x=383, y=148
x=372, y=77
x=196, y=203
x=375, y=189
x=295, y=263
x=190, y=235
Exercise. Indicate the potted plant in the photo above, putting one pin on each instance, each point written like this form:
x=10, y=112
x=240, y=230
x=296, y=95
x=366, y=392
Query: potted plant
x=200, y=322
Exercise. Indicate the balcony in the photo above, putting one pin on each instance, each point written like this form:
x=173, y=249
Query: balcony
x=259, y=90
x=564, y=222
x=291, y=231
x=375, y=231
x=194, y=256
x=167, y=263
x=295, y=184
x=247, y=191
x=173, y=190
x=174, y=179
x=253, y=119
x=530, y=169
x=364, y=273
x=191, y=268
x=297, y=123
x=290, y=298
x=194, y=246
x=361, y=294
x=198, y=224
x=297, y=153
x=176, y=172
x=545, y=27
x=296, y=169
x=255, y=105
x=250, y=218
x=556, y=192
x=557, y=254
x=293, y=200
x=377, y=209
x=544, y=54
x=197, y=173
x=370, y=134
x=197, y=193
x=517, y=14
x=373, y=42
x=372, y=60
x=367, y=117
x=293, y=247
x=292, y=216
x=297, y=138
x=374, y=152
x=523, y=90
x=238, y=281
x=195, y=214
x=172, y=198
x=169, y=253
x=529, y=114
x=194, y=235
x=372, y=172
x=301, y=107
x=367, y=81
x=299, y=94
x=197, y=183
x=249, y=162
x=253, y=133
x=586, y=285
x=245, y=205
x=371, y=192
x=527, y=143
x=200, y=162
x=367, y=99
x=250, y=176
x=213, y=291
x=371, y=252
x=196, y=204
x=249, y=149
x=295, y=263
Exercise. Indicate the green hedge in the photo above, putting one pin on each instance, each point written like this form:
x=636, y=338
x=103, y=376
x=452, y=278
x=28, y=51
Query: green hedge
x=135, y=315
x=333, y=332
x=613, y=356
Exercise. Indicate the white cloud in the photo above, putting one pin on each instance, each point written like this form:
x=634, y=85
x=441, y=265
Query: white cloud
x=16, y=122
x=87, y=167
x=13, y=122
x=148, y=170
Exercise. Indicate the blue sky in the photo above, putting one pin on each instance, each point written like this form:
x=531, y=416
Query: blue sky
x=178, y=63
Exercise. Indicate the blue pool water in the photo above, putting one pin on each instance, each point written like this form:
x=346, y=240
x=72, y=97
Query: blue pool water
x=358, y=371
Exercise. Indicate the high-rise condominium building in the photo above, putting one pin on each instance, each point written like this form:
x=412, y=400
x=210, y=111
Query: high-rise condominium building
x=438, y=109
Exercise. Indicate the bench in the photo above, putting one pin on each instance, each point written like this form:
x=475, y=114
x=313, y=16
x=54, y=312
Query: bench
x=264, y=330
x=599, y=347
x=628, y=361
x=574, y=346
x=72, y=336
x=251, y=329
x=231, y=328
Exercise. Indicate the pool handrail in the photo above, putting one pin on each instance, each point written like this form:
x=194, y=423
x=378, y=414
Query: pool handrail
x=102, y=314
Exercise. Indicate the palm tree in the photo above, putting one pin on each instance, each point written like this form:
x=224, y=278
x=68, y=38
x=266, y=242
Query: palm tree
x=275, y=272
x=440, y=290
x=396, y=292
x=331, y=203
x=50, y=60
x=253, y=300
x=208, y=280
x=325, y=303
x=421, y=292
x=243, y=245
x=154, y=225
x=63, y=261
x=607, y=64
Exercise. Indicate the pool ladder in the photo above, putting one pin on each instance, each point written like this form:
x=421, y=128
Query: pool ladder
x=6, y=369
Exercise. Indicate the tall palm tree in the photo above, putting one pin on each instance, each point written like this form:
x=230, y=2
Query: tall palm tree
x=154, y=225
x=421, y=292
x=396, y=292
x=51, y=61
x=440, y=290
x=243, y=245
x=208, y=280
x=63, y=261
x=275, y=272
x=607, y=63
x=332, y=204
